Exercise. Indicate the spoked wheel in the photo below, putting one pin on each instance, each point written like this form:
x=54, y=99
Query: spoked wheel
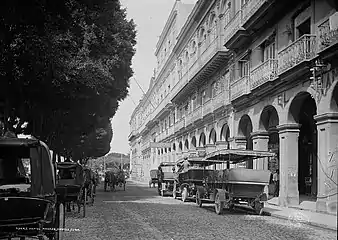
x=259, y=208
x=92, y=198
x=184, y=194
x=84, y=202
x=219, y=205
x=198, y=199
x=60, y=222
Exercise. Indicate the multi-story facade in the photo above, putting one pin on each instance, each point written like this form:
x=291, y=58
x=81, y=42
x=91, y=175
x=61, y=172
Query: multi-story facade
x=253, y=74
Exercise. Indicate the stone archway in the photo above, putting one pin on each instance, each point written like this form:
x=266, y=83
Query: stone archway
x=212, y=136
x=268, y=122
x=193, y=141
x=186, y=145
x=202, y=140
x=334, y=99
x=225, y=134
x=302, y=110
x=244, y=136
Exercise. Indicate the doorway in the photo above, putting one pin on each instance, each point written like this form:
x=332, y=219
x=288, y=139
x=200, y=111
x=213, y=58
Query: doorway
x=307, y=148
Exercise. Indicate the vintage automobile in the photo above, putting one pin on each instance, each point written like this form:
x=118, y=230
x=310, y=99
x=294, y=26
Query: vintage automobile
x=153, y=177
x=228, y=187
x=167, y=183
x=28, y=200
x=187, y=180
x=70, y=186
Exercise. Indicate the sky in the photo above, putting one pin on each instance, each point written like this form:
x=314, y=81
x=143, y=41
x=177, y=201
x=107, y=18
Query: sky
x=150, y=17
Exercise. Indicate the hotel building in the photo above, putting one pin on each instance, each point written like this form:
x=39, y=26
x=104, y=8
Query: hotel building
x=247, y=74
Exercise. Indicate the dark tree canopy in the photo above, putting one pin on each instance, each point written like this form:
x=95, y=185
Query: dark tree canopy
x=64, y=67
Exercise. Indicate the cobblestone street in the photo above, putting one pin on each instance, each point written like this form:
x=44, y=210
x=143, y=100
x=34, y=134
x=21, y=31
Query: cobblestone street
x=139, y=213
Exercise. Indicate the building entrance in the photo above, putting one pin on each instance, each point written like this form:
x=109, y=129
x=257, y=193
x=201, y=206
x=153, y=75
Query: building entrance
x=307, y=148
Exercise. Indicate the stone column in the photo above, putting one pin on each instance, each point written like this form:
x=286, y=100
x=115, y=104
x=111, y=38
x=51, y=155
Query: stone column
x=240, y=143
x=288, y=164
x=327, y=129
x=260, y=142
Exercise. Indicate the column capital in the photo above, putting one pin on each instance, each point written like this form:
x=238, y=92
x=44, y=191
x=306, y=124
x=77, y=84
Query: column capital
x=260, y=134
x=289, y=127
x=326, y=117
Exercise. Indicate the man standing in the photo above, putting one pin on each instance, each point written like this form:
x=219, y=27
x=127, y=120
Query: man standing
x=160, y=176
x=275, y=179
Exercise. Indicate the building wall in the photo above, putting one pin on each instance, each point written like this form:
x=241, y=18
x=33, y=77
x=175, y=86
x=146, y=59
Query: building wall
x=264, y=117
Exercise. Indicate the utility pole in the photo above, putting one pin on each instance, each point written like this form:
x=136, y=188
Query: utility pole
x=121, y=162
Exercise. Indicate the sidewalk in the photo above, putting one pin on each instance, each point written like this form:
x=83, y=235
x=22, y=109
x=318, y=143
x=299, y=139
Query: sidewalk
x=297, y=216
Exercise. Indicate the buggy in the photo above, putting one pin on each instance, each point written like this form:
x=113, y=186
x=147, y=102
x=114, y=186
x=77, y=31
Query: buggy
x=28, y=201
x=70, y=185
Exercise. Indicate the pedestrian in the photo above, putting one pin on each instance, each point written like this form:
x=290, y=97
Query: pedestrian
x=276, y=181
x=160, y=176
x=186, y=165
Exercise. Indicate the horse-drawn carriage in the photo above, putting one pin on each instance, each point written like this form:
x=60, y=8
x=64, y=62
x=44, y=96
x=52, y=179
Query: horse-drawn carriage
x=28, y=202
x=114, y=178
x=121, y=179
x=228, y=187
x=70, y=186
x=166, y=183
x=153, y=177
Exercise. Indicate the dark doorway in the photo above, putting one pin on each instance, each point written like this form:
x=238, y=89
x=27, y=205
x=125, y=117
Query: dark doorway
x=307, y=148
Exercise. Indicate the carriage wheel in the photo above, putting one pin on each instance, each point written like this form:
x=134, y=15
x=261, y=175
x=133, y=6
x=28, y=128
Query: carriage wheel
x=184, y=194
x=60, y=222
x=198, y=199
x=219, y=205
x=174, y=191
x=92, y=195
x=84, y=202
x=259, y=208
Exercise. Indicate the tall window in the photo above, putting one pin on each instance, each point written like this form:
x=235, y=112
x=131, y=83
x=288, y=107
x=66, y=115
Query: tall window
x=204, y=96
x=213, y=89
x=243, y=68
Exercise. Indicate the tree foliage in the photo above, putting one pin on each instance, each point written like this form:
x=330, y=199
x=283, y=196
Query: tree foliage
x=64, y=67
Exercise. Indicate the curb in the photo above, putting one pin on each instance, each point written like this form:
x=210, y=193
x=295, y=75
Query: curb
x=311, y=223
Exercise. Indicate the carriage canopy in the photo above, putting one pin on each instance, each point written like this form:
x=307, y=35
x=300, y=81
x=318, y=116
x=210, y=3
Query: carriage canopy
x=26, y=164
x=236, y=155
x=71, y=170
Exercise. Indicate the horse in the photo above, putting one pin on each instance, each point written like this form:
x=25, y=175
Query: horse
x=109, y=180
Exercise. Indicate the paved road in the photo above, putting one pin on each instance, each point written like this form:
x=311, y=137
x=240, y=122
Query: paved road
x=138, y=213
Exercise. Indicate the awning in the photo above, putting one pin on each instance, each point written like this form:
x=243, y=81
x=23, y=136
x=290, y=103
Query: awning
x=237, y=155
x=163, y=164
x=200, y=161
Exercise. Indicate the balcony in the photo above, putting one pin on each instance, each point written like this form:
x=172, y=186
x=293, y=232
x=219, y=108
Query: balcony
x=301, y=50
x=265, y=72
x=221, y=100
x=210, y=56
x=328, y=36
x=194, y=115
x=180, y=124
x=207, y=108
x=239, y=87
x=234, y=34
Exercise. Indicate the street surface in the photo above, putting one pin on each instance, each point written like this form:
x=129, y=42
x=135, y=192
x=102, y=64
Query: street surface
x=139, y=213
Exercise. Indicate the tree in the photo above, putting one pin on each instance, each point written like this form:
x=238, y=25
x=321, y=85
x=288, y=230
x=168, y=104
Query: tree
x=67, y=65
